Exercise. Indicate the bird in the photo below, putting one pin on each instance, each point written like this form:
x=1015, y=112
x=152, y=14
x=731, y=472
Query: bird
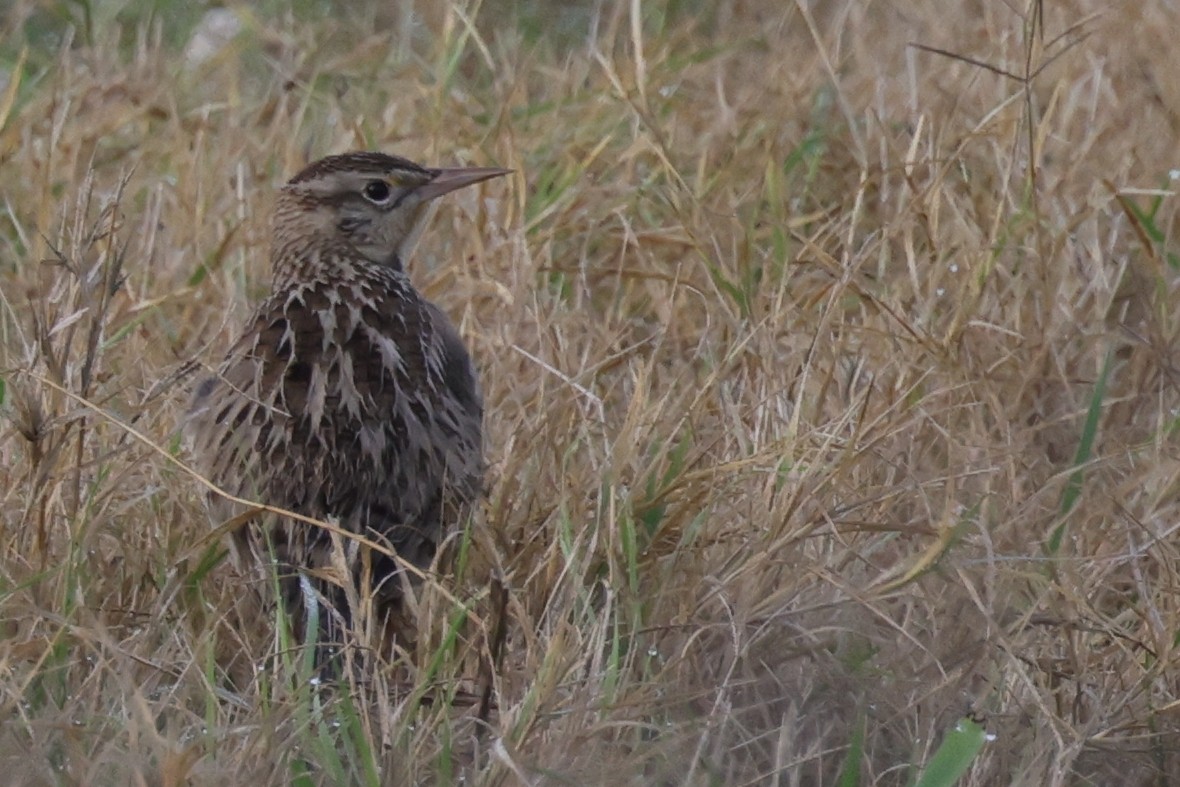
x=347, y=397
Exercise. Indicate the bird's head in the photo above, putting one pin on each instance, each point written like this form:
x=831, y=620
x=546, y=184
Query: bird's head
x=372, y=204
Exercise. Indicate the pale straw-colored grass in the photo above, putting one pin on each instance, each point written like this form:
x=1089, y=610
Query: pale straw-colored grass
x=831, y=385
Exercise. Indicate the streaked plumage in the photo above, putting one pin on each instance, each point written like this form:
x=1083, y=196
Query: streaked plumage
x=348, y=395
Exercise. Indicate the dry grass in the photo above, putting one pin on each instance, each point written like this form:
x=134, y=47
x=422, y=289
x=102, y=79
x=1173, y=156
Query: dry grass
x=831, y=386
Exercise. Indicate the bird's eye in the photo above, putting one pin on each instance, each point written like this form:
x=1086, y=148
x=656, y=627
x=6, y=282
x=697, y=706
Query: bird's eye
x=377, y=191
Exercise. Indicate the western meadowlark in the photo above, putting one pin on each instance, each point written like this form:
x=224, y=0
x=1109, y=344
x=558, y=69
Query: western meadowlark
x=348, y=396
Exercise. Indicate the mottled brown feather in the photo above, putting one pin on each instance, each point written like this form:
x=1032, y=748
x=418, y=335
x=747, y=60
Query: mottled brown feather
x=347, y=396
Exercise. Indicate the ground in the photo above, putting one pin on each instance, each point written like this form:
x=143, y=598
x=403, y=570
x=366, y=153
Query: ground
x=829, y=359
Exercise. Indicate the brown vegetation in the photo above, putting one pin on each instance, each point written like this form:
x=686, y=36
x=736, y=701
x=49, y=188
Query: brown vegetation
x=831, y=385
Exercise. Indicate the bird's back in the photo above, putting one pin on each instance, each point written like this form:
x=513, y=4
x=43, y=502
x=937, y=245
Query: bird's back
x=350, y=398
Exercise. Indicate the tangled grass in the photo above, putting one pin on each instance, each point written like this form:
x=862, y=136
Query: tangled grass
x=829, y=364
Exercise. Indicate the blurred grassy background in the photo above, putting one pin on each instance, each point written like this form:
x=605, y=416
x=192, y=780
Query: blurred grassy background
x=831, y=386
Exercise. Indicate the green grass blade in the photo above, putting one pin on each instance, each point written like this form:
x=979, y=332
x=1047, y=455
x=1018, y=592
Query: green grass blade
x=1073, y=488
x=850, y=768
x=954, y=755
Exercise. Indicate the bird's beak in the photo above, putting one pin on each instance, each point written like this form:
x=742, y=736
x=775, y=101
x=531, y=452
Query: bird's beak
x=447, y=180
